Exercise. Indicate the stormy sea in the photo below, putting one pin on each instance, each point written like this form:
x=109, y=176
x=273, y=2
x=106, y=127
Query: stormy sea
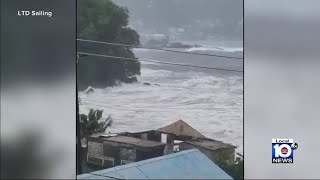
x=209, y=100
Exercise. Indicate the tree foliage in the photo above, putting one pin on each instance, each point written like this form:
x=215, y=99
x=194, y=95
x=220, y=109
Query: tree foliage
x=103, y=20
x=234, y=169
x=93, y=123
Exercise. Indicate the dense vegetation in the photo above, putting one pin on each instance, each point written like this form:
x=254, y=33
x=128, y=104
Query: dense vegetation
x=102, y=20
x=234, y=169
x=93, y=123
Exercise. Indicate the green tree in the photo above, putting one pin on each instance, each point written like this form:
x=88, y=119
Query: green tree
x=103, y=20
x=235, y=169
x=93, y=123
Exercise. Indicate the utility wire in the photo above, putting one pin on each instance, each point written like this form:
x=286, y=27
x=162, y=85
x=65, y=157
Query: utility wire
x=159, y=62
x=159, y=49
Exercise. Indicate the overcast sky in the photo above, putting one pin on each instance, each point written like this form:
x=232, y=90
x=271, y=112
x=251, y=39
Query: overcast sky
x=206, y=17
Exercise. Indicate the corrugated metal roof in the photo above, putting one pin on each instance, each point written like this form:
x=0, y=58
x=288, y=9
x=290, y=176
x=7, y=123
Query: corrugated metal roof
x=211, y=144
x=134, y=141
x=189, y=164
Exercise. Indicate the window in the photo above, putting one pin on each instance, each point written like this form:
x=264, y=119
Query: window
x=163, y=138
x=108, y=162
x=176, y=148
x=101, y=161
x=94, y=160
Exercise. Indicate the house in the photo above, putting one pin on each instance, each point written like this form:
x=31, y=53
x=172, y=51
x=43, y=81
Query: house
x=189, y=164
x=118, y=150
x=217, y=151
x=186, y=137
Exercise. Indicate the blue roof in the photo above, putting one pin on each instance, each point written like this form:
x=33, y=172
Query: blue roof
x=189, y=164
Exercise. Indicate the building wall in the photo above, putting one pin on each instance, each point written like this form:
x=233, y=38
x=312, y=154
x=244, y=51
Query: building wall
x=127, y=155
x=119, y=152
x=215, y=156
x=95, y=148
x=109, y=154
x=154, y=136
x=150, y=153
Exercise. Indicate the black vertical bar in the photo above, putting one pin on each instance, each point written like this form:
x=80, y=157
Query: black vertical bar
x=79, y=156
x=79, y=153
x=243, y=114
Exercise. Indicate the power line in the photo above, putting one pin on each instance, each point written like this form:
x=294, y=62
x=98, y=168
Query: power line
x=159, y=62
x=159, y=49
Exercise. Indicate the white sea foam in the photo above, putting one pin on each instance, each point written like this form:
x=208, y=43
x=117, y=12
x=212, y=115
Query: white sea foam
x=207, y=48
x=210, y=101
x=211, y=104
x=232, y=49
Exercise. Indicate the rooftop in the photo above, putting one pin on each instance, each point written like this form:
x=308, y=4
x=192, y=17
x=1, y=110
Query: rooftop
x=189, y=164
x=210, y=144
x=181, y=128
x=134, y=141
x=104, y=135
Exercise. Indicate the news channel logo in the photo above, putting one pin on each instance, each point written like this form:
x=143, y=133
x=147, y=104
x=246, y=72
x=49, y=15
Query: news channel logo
x=282, y=150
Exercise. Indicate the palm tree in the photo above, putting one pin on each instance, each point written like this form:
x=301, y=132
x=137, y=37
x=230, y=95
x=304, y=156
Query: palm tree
x=93, y=123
